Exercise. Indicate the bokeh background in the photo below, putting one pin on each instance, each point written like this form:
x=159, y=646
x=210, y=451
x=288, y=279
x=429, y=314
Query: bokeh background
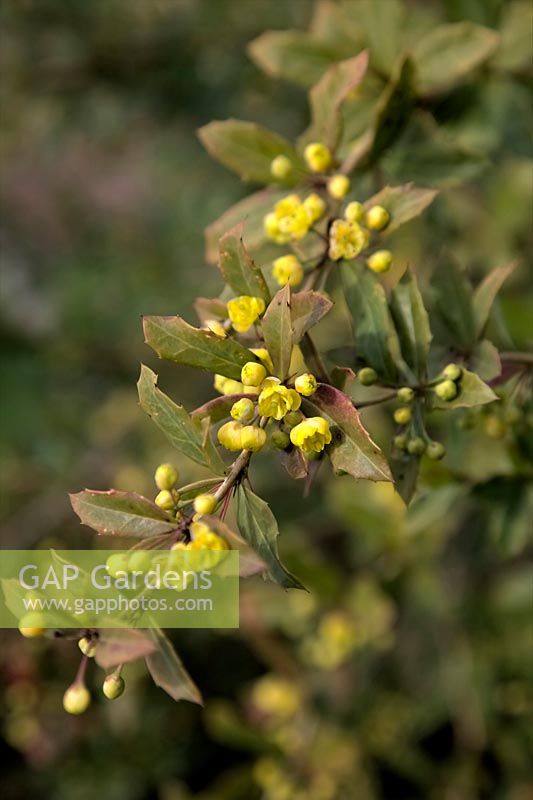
x=405, y=673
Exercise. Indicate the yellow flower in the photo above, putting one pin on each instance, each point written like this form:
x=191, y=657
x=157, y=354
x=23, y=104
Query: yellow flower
x=203, y=538
x=243, y=311
x=317, y=156
x=264, y=357
x=229, y=435
x=276, y=400
x=287, y=269
x=380, y=261
x=253, y=438
x=311, y=435
x=243, y=410
x=338, y=186
x=315, y=206
x=253, y=374
x=227, y=385
x=216, y=327
x=346, y=240
x=289, y=220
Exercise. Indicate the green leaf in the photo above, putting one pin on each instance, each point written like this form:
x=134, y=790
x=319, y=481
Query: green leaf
x=472, y=392
x=167, y=670
x=249, y=561
x=259, y=528
x=219, y=408
x=375, y=337
x=412, y=323
x=393, y=109
x=121, y=514
x=486, y=292
x=403, y=203
x=485, y=360
x=295, y=56
x=307, y=308
x=514, y=53
x=184, y=433
x=277, y=329
x=174, y=339
x=252, y=211
x=210, y=308
x=383, y=23
x=446, y=55
x=238, y=268
x=248, y=149
x=453, y=316
x=405, y=469
x=352, y=450
x=328, y=95
x=121, y=646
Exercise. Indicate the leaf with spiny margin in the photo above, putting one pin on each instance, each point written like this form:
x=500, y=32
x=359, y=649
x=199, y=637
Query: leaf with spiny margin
x=412, y=323
x=183, y=432
x=259, y=528
x=210, y=308
x=122, y=645
x=277, y=329
x=238, y=268
x=486, y=292
x=403, y=203
x=327, y=96
x=307, y=308
x=248, y=149
x=174, y=339
x=249, y=561
x=472, y=392
x=167, y=670
x=121, y=514
x=376, y=339
x=351, y=450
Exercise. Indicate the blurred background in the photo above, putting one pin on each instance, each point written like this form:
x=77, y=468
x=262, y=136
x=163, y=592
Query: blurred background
x=405, y=673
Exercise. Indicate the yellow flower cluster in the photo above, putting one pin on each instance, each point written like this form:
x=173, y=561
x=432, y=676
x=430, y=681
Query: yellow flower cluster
x=291, y=218
x=203, y=538
x=351, y=235
x=243, y=311
x=346, y=239
x=311, y=435
x=277, y=400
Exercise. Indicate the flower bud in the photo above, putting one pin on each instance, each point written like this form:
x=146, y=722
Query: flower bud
x=253, y=374
x=402, y=416
x=166, y=476
x=306, y=384
x=31, y=625
x=117, y=563
x=280, y=439
x=229, y=435
x=377, y=218
x=253, y=438
x=338, y=186
x=405, y=394
x=287, y=269
x=435, y=451
x=216, y=327
x=317, y=156
x=280, y=167
x=416, y=446
x=354, y=211
x=315, y=206
x=165, y=500
x=446, y=390
x=380, y=261
x=76, y=699
x=400, y=441
x=243, y=410
x=139, y=561
x=293, y=418
x=452, y=372
x=367, y=376
x=87, y=646
x=205, y=503
x=113, y=686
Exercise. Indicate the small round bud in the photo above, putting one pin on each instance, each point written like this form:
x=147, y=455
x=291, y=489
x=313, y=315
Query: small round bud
x=405, y=394
x=400, y=441
x=354, y=211
x=280, y=167
x=402, y=416
x=31, y=625
x=253, y=374
x=367, y=376
x=338, y=186
x=495, y=427
x=139, y=561
x=306, y=384
x=446, y=390
x=315, y=206
x=165, y=500
x=76, y=699
x=205, y=503
x=287, y=269
x=452, y=372
x=293, y=418
x=380, y=261
x=166, y=476
x=416, y=446
x=435, y=451
x=117, y=563
x=113, y=686
x=216, y=327
x=253, y=438
x=317, y=156
x=229, y=435
x=280, y=439
x=87, y=646
x=243, y=410
x=377, y=218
